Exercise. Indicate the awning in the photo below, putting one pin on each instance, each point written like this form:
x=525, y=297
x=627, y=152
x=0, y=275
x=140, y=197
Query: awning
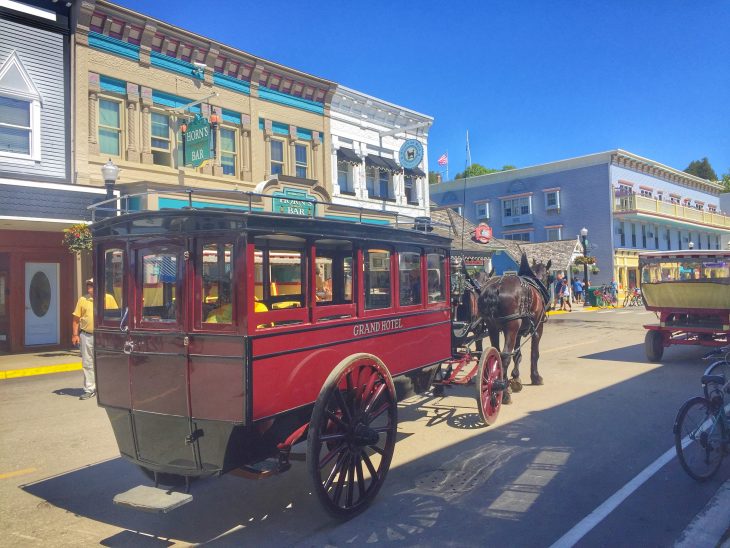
x=348, y=155
x=384, y=164
x=415, y=172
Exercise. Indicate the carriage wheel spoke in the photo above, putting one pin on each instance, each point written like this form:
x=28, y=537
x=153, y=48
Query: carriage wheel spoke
x=332, y=437
x=366, y=393
x=360, y=478
x=332, y=454
x=377, y=449
x=375, y=397
x=371, y=468
x=334, y=417
x=343, y=405
x=350, y=481
x=341, y=480
x=386, y=428
x=379, y=412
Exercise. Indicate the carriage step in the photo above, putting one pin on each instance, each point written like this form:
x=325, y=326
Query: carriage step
x=152, y=499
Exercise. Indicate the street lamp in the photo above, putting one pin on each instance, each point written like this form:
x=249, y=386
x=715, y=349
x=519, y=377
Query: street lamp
x=691, y=245
x=109, y=172
x=584, y=241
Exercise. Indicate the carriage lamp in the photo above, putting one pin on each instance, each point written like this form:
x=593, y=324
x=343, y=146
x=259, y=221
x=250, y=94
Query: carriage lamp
x=584, y=241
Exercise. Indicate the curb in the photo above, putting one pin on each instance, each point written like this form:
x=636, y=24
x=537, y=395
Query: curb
x=43, y=370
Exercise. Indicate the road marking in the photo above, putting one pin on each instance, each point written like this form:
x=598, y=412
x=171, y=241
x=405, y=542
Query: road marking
x=17, y=473
x=584, y=526
x=567, y=346
x=625, y=312
x=604, y=311
x=30, y=371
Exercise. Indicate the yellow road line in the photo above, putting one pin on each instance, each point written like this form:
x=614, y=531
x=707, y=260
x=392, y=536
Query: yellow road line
x=17, y=473
x=30, y=371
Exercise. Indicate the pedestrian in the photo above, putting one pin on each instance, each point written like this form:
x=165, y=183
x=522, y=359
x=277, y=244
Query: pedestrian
x=577, y=291
x=565, y=296
x=83, y=337
x=613, y=290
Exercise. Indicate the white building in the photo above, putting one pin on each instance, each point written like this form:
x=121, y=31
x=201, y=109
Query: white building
x=379, y=154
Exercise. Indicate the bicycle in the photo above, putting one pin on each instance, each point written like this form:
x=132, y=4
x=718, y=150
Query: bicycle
x=605, y=298
x=702, y=427
x=633, y=298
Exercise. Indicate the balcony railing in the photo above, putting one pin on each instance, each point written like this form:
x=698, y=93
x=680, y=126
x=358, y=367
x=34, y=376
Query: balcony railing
x=629, y=203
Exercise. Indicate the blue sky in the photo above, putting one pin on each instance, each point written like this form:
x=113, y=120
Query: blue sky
x=532, y=81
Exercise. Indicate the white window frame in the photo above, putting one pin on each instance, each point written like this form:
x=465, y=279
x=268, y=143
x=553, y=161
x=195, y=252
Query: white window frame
x=482, y=210
x=555, y=207
x=120, y=129
x=298, y=164
x=31, y=96
x=346, y=168
x=414, y=189
x=646, y=193
x=559, y=230
x=169, y=139
x=283, y=155
x=518, y=235
x=233, y=153
x=519, y=203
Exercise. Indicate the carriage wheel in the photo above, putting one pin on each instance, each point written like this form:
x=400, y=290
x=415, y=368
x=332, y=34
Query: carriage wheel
x=351, y=435
x=489, y=381
x=654, y=345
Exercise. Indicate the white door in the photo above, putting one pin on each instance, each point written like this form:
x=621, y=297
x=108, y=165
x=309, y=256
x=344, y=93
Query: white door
x=41, y=304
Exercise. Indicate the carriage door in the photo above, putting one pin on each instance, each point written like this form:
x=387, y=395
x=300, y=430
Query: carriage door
x=157, y=345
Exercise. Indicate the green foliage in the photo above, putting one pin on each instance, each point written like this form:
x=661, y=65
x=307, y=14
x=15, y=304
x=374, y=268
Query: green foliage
x=478, y=169
x=726, y=181
x=77, y=238
x=701, y=168
x=434, y=177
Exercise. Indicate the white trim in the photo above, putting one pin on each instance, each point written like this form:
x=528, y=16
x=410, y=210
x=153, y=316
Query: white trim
x=43, y=220
x=55, y=186
x=14, y=60
x=30, y=10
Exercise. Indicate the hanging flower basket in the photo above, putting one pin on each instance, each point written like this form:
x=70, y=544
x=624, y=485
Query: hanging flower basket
x=595, y=270
x=581, y=260
x=77, y=238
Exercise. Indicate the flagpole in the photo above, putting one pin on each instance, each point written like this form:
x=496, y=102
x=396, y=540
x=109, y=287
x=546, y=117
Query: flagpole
x=447, y=164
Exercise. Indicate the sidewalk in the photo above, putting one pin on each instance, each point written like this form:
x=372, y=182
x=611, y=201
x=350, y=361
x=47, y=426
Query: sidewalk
x=13, y=366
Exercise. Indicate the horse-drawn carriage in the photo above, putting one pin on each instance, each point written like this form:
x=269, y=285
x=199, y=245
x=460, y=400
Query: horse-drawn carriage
x=236, y=334
x=690, y=292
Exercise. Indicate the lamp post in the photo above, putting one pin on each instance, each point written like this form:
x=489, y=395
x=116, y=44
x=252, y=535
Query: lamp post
x=584, y=241
x=691, y=245
x=109, y=172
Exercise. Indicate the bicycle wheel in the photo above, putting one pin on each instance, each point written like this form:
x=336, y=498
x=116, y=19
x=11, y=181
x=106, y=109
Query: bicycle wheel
x=720, y=367
x=627, y=300
x=698, y=439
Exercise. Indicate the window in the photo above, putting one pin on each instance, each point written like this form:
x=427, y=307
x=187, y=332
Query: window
x=482, y=210
x=110, y=127
x=712, y=208
x=277, y=157
x=552, y=200
x=159, y=282
x=518, y=236
x=301, y=153
x=409, y=187
x=113, y=284
x=410, y=277
x=334, y=278
x=646, y=192
x=378, y=183
x=699, y=205
x=633, y=235
x=377, y=279
x=643, y=236
x=371, y=176
x=217, y=276
x=383, y=184
x=436, y=277
x=160, y=139
x=15, y=126
x=625, y=189
x=553, y=234
x=515, y=207
x=228, y=150
x=344, y=177
x=674, y=199
x=622, y=233
x=278, y=276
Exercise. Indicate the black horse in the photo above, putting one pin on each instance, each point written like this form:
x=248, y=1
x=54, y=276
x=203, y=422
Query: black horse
x=516, y=306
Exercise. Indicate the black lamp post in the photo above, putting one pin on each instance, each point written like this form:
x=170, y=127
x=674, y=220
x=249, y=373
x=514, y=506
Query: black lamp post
x=584, y=241
x=109, y=172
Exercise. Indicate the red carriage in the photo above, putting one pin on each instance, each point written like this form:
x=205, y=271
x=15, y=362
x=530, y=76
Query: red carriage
x=225, y=336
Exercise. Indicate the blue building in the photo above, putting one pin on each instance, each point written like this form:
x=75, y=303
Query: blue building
x=627, y=203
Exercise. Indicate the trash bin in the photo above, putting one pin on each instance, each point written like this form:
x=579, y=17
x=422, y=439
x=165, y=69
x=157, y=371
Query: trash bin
x=593, y=299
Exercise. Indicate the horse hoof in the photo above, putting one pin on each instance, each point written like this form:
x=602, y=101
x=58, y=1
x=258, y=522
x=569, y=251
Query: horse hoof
x=537, y=381
x=506, y=398
x=515, y=384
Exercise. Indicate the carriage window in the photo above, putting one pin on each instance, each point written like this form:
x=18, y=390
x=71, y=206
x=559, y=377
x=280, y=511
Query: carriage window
x=113, y=280
x=278, y=279
x=333, y=277
x=217, y=281
x=436, y=277
x=410, y=277
x=159, y=287
x=377, y=279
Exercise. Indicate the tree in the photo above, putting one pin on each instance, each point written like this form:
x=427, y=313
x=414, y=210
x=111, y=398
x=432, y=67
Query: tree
x=726, y=181
x=478, y=169
x=434, y=177
x=701, y=168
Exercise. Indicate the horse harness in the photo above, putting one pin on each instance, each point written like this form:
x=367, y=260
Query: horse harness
x=525, y=306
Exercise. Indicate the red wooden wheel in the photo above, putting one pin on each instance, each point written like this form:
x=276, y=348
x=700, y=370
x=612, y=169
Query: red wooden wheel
x=490, y=385
x=351, y=436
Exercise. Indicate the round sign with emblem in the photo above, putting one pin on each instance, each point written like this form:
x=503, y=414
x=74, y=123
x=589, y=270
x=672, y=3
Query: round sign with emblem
x=411, y=153
x=483, y=233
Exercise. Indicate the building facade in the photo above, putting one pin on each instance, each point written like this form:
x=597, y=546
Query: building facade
x=37, y=198
x=379, y=154
x=628, y=204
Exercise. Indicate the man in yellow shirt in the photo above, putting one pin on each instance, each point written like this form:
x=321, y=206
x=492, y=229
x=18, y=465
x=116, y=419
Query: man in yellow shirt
x=83, y=336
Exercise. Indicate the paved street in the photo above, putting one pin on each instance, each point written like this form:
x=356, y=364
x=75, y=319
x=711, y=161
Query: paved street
x=554, y=456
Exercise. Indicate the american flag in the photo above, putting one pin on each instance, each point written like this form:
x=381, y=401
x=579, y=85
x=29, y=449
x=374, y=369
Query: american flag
x=444, y=159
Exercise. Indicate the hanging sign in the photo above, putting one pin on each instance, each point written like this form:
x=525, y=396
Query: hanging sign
x=483, y=233
x=197, y=142
x=411, y=153
x=293, y=202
